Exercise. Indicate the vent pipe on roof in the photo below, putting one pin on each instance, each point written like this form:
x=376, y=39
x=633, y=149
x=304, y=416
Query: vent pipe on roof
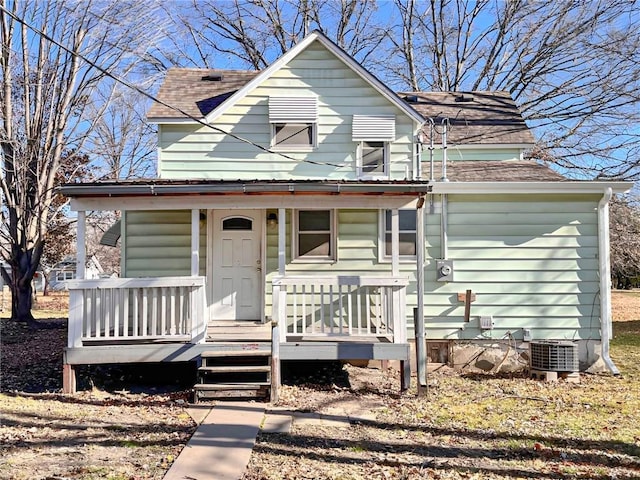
x=214, y=77
x=465, y=97
x=432, y=131
x=445, y=124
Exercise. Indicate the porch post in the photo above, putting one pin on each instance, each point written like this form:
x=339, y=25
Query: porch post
x=398, y=300
x=195, y=242
x=279, y=308
x=76, y=295
x=280, y=292
x=282, y=241
x=421, y=357
x=395, y=243
x=81, y=256
x=198, y=320
x=398, y=334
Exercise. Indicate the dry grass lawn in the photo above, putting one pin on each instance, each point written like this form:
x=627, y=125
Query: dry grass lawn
x=468, y=427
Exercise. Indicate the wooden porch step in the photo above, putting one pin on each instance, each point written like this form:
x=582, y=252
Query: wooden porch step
x=236, y=369
x=231, y=390
x=235, y=353
x=230, y=386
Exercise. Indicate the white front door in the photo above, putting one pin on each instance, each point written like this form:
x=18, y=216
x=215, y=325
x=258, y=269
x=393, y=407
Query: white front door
x=237, y=270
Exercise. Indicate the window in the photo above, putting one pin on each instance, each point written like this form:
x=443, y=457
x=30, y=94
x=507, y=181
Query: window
x=406, y=234
x=314, y=235
x=373, y=158
x=293, y=122
x=237, y=223
x=65, y=275
x=293, y=134
x=373, y=134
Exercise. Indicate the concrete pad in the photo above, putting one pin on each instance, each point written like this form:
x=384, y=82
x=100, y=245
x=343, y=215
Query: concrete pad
x=304, y=418
x=336, y=422
x=277, y=423
x=221, y=446
x=198, y=412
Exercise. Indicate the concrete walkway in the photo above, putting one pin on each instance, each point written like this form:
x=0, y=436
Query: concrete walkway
x=221, y=446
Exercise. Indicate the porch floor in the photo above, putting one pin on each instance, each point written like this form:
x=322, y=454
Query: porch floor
x=238, y=331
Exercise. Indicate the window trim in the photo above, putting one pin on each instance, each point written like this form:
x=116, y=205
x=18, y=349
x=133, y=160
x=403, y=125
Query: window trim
x=382, y=253
x=333, y=238
x=294, y=148
x=386, y=154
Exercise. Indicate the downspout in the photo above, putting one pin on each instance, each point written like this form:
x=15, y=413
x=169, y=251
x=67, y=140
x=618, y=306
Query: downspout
x=444, y=221
x=604, y=257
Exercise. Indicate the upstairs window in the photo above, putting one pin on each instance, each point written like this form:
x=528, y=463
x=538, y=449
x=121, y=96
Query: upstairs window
x=373, y=134
x=406, y=234
x=373, y=159
x=314, y=235
x=293, y=122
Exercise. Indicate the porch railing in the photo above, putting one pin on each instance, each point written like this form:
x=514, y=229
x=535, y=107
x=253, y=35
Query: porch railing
x=340, y=306
x=136, y=309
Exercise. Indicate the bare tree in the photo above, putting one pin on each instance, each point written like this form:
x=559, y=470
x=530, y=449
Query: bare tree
x=625, y=242
x=55, y=57
x=572, y=67
x=122, y=142
x=256, y=32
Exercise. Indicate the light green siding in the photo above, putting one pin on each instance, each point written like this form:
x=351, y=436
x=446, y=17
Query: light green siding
x=193, y=151
x=532, y=262
x=158, y=244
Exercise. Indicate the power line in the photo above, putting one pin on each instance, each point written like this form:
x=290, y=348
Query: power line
x=155, y=99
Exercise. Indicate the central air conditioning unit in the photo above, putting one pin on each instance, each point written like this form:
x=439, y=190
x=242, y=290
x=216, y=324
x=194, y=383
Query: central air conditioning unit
x=554, y=356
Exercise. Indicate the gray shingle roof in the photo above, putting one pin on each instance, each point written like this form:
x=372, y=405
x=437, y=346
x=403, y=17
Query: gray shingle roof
x=194, y=91
x=490, y=118
x=487, y=118
x=494, y=171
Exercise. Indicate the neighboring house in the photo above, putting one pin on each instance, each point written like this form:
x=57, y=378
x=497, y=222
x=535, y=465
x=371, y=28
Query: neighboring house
x=66, y=270
x=296, y=197
x=38, y=283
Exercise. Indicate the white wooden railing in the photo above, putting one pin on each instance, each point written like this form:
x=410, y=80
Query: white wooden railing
x=355, y=306
x=136, y=309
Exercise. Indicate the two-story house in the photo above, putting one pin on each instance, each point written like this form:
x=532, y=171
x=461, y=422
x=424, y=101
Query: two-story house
x=302, y=212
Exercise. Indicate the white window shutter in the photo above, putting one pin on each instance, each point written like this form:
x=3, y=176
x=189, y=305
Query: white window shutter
x=374, y=127
x=293, y=109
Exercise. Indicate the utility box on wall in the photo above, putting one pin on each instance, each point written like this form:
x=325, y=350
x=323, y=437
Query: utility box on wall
x=444, y=270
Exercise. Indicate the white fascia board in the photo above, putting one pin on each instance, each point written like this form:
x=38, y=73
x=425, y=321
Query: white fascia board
x=337, y=51
x=585, y=187
x=485, y=146
x=164, y=120
x=232, y=202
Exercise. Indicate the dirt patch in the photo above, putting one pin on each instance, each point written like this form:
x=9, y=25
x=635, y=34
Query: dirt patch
x=92, y=435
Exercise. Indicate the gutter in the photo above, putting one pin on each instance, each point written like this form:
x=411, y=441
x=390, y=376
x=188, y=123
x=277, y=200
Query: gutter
x=119, y=190
x=569, y=186
x=604, y=257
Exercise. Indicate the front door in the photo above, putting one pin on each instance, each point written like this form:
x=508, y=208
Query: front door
x=237, y=273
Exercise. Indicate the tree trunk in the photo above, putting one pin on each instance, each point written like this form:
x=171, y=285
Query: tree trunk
x=23, y=268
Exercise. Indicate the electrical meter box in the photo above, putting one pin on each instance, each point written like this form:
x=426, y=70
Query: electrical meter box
x=444, y=270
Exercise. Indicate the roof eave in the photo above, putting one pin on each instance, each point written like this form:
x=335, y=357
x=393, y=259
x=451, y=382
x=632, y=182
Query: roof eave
x=170, y=120
x=239, y=188
x=575, y=187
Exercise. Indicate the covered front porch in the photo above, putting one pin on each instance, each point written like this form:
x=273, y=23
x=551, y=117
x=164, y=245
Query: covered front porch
x=302, y=315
